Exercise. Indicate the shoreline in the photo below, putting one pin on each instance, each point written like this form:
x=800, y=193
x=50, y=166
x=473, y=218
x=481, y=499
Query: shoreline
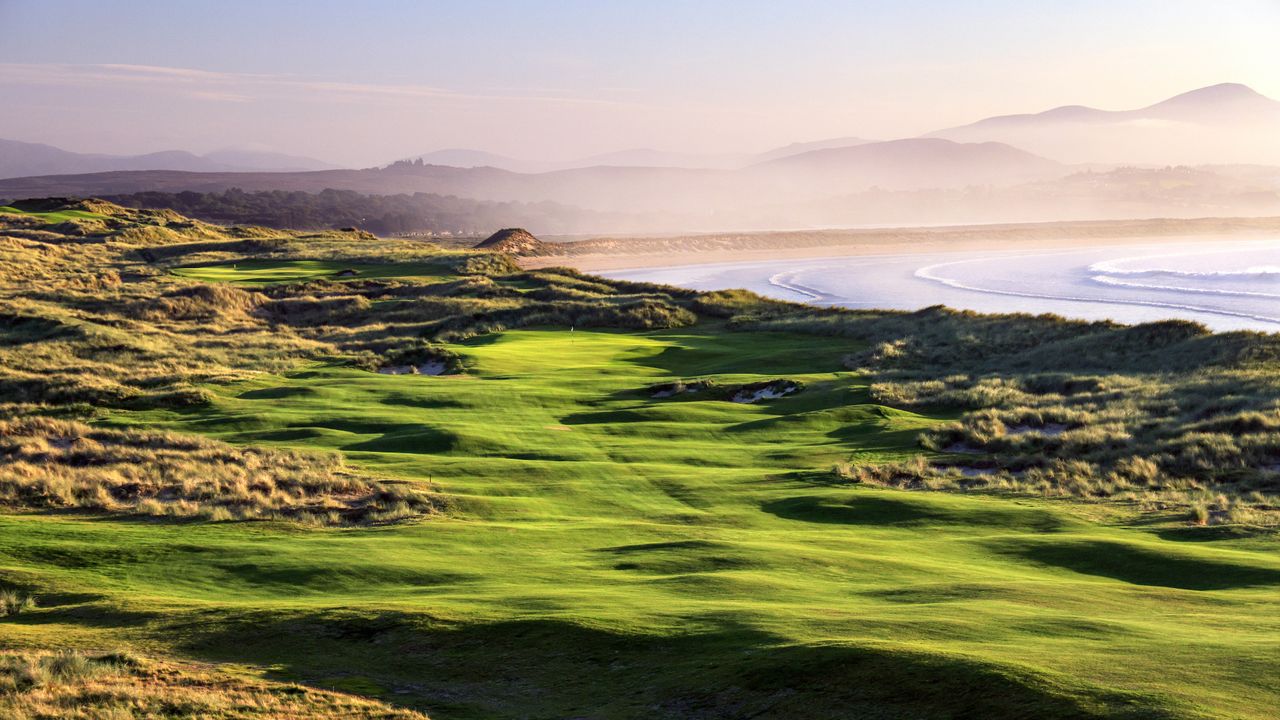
x=623, y=261
x=624, y=252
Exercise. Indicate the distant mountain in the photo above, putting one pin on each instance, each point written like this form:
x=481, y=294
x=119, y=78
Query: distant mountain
x=649, y=157
x=613, y=200
x=246, y=159
x=636, y=157
x=1227, y=123
x=909, y=164
x=23, y=159
x=804, y=147
x=639, y=157
x=810, y=176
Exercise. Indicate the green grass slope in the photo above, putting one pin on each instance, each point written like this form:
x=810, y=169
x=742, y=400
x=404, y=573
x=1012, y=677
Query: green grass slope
x=615, y=555
x=591, y=550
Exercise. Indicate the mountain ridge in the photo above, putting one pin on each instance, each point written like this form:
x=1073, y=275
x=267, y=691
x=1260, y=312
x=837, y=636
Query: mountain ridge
x=27, y=159
x=1222, y=123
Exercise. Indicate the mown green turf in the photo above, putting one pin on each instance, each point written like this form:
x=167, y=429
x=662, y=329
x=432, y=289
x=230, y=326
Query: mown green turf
x=266, y=272
x=54, y=217
x=611, y=555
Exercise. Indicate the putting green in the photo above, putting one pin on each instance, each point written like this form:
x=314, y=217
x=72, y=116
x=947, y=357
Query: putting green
x=266, y=272
x=55, y=217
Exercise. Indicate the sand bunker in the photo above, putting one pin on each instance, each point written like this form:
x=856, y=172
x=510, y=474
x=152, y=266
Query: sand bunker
x=427, y=368
x=771, y=390
x=749, y=393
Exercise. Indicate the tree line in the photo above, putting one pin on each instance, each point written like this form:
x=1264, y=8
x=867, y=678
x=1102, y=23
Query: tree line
x=379, y=214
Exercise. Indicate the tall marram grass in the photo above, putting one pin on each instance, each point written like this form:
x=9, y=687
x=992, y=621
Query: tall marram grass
x=38, y=685
x=47, y=463
x=1164, y=415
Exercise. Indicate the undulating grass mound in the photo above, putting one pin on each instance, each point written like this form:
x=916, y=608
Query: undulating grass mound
x=68, y=684
x=57, y=464
x=608, y=553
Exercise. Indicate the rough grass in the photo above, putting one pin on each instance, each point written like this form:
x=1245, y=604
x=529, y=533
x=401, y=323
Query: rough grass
x=610, y=554
x=119, y=686
x=57, y=464
x=1070, y=408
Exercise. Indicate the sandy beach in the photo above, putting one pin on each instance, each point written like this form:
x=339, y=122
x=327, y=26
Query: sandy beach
x=607, y=254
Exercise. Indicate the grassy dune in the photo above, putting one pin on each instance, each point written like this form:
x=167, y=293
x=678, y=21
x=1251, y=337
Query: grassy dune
x=620, y=553
x=598, y=551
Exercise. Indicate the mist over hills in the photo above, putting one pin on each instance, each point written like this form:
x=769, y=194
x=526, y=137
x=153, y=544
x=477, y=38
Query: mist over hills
x=989, y=171
x=1226, y=123
x=909, y=164
x=636, y=157
x=23, y=159
x=901, y=164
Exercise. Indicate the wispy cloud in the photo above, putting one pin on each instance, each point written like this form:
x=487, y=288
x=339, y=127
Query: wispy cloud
x=248, y=87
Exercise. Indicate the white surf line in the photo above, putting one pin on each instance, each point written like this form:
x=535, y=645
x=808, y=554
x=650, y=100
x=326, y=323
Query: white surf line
x=1103, y=279
x=927, y=273
x=786, y=281
x=1111, y=267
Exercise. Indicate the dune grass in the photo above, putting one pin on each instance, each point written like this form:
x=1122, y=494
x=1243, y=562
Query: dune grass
x=621, y=553
x=73, y=685
x=603, y=552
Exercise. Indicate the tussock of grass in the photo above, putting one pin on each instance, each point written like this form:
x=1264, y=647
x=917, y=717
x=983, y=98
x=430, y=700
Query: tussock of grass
x=57, y=464
x=1070, y=408
x=35, y=685
x=13, y=602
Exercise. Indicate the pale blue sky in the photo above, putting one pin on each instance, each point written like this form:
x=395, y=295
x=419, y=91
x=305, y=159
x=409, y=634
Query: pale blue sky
x=365, y=82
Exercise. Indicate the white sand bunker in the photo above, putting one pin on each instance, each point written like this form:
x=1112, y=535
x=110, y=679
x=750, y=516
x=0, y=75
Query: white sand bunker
x=764, y=391
x=426, y=368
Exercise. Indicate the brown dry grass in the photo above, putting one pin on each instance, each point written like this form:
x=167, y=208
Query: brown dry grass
x=47, y=464
x=38, y=685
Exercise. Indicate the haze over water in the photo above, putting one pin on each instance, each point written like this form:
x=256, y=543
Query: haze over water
x=1226, y=285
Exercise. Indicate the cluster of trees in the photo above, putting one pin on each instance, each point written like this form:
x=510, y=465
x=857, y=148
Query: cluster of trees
x=379, y=214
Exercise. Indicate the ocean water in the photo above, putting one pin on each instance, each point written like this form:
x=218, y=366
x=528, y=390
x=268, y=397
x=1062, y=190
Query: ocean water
x=1227, y=285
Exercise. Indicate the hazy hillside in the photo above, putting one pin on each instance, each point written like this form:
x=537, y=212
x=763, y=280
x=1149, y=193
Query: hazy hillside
x=22, y=159
x=419, y=213
x=637, y=157
x=1227, y=123
x=813, y=175
x=908, y=164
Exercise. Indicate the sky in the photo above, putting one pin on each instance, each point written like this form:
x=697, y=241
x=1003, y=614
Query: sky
x=360, y=84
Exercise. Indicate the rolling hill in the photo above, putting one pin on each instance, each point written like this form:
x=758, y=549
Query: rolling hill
x=637, y=157
x=910, y=164
x=901, y=164
x=1226, y=123
x=23, y=159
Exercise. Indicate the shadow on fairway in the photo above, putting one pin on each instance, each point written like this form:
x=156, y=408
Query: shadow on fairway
x=1142, y=566
x=542, y=668
x=868, y=509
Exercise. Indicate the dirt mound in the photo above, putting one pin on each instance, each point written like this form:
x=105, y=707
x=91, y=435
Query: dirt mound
x=516, y=241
